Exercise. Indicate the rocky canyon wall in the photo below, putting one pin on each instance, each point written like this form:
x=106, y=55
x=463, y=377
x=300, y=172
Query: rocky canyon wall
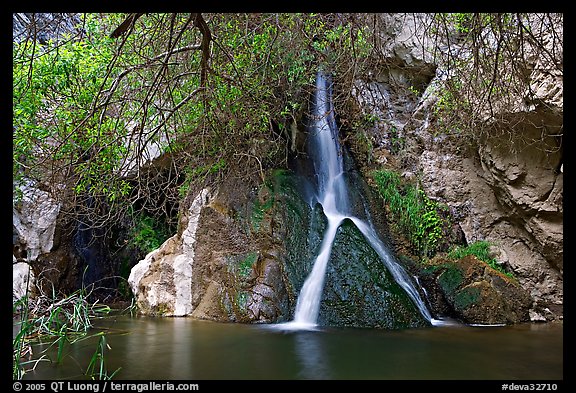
x=507, y=187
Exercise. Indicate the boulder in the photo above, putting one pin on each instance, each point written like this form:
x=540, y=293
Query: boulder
x=359, y=290
x=223, y=266
x=476, y=293
x=23, y=280
x=161, y=282
x=34, y=221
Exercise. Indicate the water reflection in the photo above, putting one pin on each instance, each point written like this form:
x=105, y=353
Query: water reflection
x=311, y=356
x=143, y=335
x=182, y=345
x=183, y=348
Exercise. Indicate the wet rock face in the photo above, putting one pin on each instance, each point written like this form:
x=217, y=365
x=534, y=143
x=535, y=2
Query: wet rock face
x=477, y=294
x=359, y=291
x=238, y=276
x=241, y=273
x=245, y=260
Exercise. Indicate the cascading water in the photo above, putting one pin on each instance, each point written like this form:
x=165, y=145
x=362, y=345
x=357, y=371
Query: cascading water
x=332, y=194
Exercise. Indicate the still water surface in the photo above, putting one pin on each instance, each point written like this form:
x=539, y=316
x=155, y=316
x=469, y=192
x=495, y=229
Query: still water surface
x=183, y=349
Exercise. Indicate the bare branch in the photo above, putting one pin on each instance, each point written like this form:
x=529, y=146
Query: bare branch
x=126, y=26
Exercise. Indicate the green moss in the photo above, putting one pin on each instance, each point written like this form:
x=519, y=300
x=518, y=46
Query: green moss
x=450, y=279
x=359, y=290
x=265, y=202
x=466, y=297
x=245, y=266
x=430, y=269
x=259, y=210
x=242, y=300
x=241, y=265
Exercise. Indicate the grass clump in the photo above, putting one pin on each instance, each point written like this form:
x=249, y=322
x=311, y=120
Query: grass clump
x=481, y=250
x=415, y=215
x=58, y=321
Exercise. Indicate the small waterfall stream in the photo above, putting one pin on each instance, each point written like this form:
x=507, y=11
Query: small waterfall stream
x=332, y=194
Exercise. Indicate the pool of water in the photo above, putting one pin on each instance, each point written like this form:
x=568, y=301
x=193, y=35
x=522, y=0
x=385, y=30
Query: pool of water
x=187, y=349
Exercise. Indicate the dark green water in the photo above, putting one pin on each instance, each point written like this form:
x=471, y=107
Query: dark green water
x=183, y=348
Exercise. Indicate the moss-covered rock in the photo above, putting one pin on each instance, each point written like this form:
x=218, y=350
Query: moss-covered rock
x=300, y=228
x=360, y=291
x=476, y=293
x=252, y=258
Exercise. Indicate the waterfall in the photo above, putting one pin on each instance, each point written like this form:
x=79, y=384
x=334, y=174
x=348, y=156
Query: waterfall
x=332, y=194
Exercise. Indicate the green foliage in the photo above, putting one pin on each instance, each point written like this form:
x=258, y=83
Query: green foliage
x=79, y=103
x=341, y=37
x=450, y=110
x=481, y=250
x=369, y=120
x=396, y=140
x=414, y=90
x=201, y=172
x=412, y=212
x=58, y=136
x=460, y=21
x=362, y=145
x=148, y=234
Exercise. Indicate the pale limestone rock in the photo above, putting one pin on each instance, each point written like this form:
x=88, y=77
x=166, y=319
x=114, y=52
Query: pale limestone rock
x=406, y=39
x=536, y=317
x=162, y=281
x=35, y=220
x=23, y=280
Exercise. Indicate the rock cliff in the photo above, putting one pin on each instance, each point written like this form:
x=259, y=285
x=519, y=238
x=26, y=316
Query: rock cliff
x=505, y=188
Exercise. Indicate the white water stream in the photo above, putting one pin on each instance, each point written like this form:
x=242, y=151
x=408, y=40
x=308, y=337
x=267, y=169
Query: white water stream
x=333, y=196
